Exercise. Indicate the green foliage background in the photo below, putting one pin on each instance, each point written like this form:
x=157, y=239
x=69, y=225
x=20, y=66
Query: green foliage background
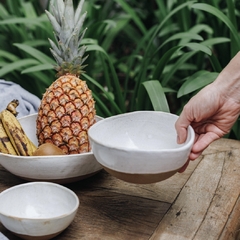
x=143, y=55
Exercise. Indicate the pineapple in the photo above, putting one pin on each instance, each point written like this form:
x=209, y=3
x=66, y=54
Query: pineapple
x=67, y=108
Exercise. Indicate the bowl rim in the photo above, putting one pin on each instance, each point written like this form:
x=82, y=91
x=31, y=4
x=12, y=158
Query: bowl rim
x=183, y=146
x=46, y=156
x=67, y=190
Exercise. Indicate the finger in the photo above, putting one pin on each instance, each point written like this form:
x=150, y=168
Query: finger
x=181, y=126
x=203, y=141
x=194, y=156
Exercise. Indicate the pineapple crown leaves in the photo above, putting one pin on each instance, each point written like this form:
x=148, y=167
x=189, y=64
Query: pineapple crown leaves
x=67, y=25
x=67, y=67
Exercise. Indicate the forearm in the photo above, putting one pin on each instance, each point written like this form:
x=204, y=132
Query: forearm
x=228, y=81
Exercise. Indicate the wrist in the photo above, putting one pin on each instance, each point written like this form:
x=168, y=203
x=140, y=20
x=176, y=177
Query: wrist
x=228, y=81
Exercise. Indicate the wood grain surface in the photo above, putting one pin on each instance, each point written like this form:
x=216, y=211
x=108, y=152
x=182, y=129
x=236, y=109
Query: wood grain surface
x=201, y=203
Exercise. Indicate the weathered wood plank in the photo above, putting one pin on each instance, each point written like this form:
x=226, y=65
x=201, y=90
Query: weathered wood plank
x=224, y=199
x=165, y=191
x=202, y=209
x=232, y=228
x=222, y=144
x=107, y=215
x=117, y=216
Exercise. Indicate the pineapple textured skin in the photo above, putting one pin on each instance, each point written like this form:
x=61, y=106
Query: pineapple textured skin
x=66, y=112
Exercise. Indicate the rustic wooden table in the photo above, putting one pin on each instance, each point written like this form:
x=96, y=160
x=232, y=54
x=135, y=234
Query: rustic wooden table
x=201, y=203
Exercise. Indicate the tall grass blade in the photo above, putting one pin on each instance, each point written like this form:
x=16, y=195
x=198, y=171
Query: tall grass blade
x=156, y=95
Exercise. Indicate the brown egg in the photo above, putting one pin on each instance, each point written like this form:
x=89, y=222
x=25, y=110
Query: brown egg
x=47, y=149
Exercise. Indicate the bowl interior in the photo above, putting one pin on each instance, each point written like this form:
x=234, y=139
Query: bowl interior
x=38, y=200
x=144, y=130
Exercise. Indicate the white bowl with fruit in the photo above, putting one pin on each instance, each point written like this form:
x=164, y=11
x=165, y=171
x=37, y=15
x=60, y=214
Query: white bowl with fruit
x=66, y=112
x=54, y=168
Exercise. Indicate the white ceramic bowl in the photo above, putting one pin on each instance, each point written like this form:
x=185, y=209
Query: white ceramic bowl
x=57, y=168
x=140, y=147
x=37, y=210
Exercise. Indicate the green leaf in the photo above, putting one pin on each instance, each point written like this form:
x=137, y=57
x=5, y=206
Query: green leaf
x=197, y=29
x=88, y=41
x=198, y=80
x=41, y=80
x=8, y=55
x=100, y=104
x=215, y=63
x=18, y=65
x=214, y=41
x=106, y=93
x=156, y=95
x=219, y=14
x=183, y=35
x=19, y=20
x=40, y=67
x=41, y=57
x=132, y=14
x=115, y=82
x=163, y=61
x=199, y=47
x=196, y=47
x=29, y=10
x=3, y=11
x=121, y=23
x=36, y=43
x=232, y=17
x=174, y=11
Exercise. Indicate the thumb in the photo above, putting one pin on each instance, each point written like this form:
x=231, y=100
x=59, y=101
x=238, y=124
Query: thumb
x=181, y=127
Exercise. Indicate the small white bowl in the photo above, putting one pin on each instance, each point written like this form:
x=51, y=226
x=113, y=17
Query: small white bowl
x=37, y=210
x=141, y=146
x=57, y=168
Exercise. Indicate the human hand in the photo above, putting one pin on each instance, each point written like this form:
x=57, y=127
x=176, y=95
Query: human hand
x=211, y=113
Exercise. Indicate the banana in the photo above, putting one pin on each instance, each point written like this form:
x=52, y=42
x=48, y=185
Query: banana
x=19, y=140
x=11, y=107
x=5, y=143
x=16, y=134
